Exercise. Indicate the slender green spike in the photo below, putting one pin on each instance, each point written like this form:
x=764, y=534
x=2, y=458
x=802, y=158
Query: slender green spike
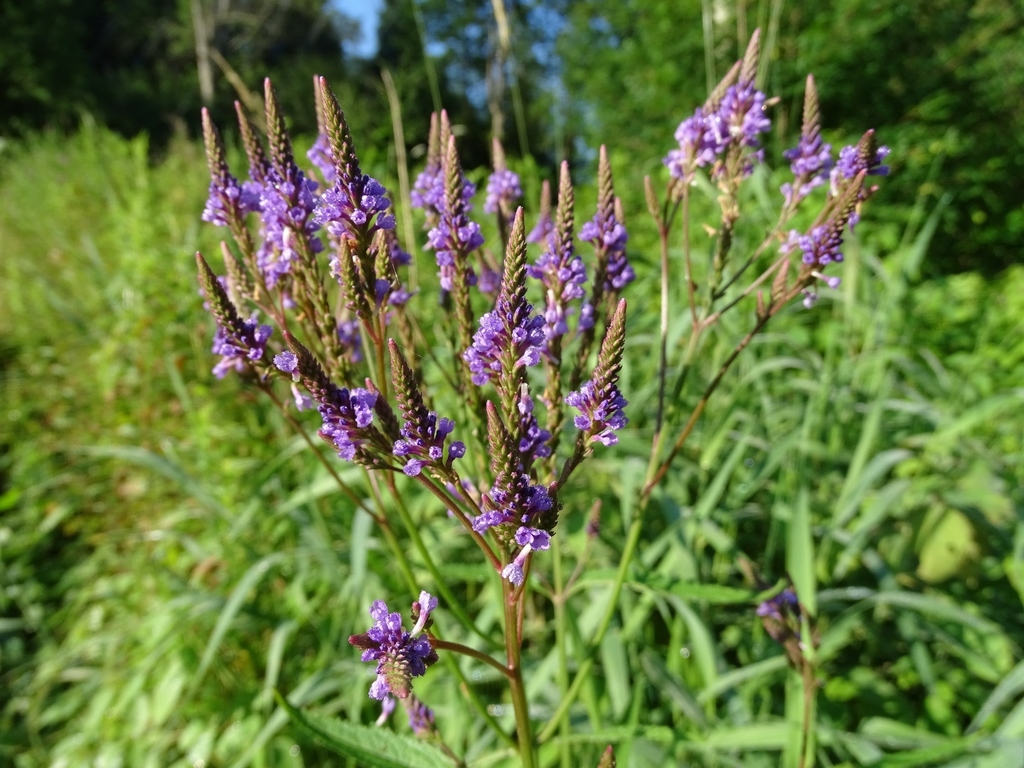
x=216, y=159
x=221, y=305
x=345, y=161
x=238, y=278
x=609, y=359
x=253, y=145
x=407, y=391
x=565, y=213
x=434, y=142
x=812, y=117
x=277, y=132
x=608, y=758
x=318, y=101
x=748, y=72
x=605, y=185
x=503, y=449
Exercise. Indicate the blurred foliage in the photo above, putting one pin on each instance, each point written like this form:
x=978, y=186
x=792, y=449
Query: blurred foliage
x=940, y=81
x=170, y=553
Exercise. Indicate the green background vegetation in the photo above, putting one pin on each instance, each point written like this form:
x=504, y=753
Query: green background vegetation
x=170, y=552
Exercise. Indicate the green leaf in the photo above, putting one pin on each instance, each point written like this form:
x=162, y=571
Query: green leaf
x=369, y=747
x=800, y=555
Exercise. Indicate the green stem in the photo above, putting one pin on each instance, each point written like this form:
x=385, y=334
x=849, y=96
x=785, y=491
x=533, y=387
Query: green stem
x=465, y=650
x=561, y=629
x=451, y=603
x=516, y=686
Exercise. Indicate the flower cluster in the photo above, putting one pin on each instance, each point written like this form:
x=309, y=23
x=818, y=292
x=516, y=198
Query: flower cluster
x=601, y=412
x=287, y=202
x=235, y=348
x=512, y=328
x=733, y=118
x=400, y=655
x=346, y=415
x=503, y=191
x=560, y=270
x=424, y=442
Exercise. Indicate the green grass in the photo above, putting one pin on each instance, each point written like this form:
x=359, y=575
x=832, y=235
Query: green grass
x=170, y=553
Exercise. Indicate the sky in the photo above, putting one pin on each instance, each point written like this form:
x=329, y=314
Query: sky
x=367, y=13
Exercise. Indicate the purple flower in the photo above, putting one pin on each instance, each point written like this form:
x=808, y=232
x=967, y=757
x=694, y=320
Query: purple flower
x=533, y=444
x=607, y=233
x=321, y=155
x=503, y=191
x=509, y=334
x=490, y=280
x=236, y=348
x=739, y=120
x=423, y=440
x=288, y=362
x=400, y=655
x=228, y=202
x=351, y=339
x=387, y=706
x=348, y=208
x=530, y=539
x=286, y=205
x=345, y=416
x=600, y=412
x=454, y=233
x=852, y=161
x=302, y=402
x=562, y=274
x=785, y=601
x=819, y=247
x=697, y=147
x=810, y=162
x=421, y=717
x=428, y=190
x=514, y=501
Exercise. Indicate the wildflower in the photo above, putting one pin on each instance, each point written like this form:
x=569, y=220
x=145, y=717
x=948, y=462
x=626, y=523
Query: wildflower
x=599, y=401
x=239, y=345
x=739, y=121
x=600, y=413
x=428, y=191
x=423, y=434
x=400, y=655
x=503, y=191
x=559, y=269
x=455, y=236
x=356, y=205
x=784, y=602
x=533, y=441
x=346, y=414
x=421, y=717
x=607, y=232
x=811, y=159
x=511, y=336
x=227, y=202
x=697, y=147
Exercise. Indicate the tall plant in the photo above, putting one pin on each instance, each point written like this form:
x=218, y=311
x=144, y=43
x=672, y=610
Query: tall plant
x=325, y=269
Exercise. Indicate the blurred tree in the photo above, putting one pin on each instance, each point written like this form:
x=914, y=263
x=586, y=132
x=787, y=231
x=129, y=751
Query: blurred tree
x=133, y=63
